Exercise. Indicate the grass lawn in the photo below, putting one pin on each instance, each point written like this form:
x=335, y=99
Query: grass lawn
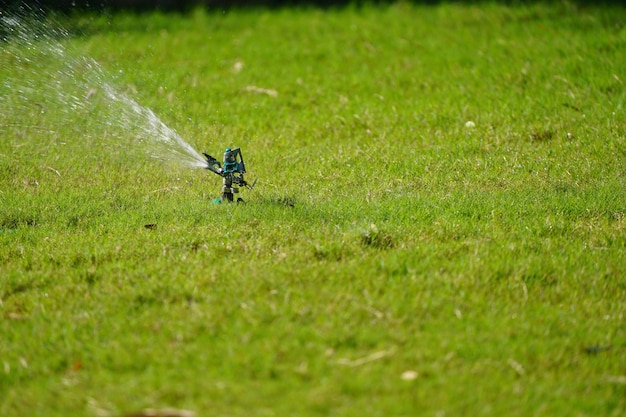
x=438, y=228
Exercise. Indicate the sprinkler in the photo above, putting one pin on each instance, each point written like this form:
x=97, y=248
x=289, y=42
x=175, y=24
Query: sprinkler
x=232, y=171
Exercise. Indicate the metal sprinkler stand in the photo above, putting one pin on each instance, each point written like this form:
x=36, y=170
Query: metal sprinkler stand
x=232, y=171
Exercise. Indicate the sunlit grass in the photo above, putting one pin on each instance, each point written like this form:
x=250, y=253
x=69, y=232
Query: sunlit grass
x=438, y=226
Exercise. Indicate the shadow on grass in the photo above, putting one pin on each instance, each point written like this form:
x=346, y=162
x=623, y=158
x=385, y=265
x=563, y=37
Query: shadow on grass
x=186, y=5
x=32, y=13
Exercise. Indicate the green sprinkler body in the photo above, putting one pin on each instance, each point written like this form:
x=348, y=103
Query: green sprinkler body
x=232, y=171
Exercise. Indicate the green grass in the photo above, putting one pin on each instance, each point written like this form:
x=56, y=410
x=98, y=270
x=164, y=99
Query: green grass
x=384, y=236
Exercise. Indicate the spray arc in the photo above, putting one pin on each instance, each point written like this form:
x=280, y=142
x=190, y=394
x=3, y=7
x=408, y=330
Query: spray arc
x=232, y=171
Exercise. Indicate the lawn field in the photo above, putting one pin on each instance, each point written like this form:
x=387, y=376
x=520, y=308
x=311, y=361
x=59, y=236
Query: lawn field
x=438, y=227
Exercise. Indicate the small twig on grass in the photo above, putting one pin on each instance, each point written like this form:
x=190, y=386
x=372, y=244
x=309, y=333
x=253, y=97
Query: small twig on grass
x=260, y=90
x=616, y=379
x=53, y=170
x=366, y=359
x=517, y=367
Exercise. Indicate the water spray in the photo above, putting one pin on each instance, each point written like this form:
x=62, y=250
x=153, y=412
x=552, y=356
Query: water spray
x=232, y=171
x=62, y=78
